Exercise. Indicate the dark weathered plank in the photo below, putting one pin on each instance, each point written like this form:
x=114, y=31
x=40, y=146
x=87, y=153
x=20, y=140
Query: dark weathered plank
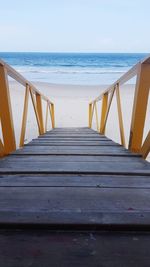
x=70, y=158
x=95, y=150
x=132, y=167
x=53, y=180
x=72, y=135
x=93, y=137
x=76, y=164
x=66, y=143
x=66, y=139
x=38, y=248
x=74, y=129
x=90, y=206
x=83, y=140
x=72, y=132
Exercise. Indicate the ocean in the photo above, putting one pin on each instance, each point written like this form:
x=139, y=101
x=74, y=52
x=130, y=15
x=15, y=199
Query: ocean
x=72, y=68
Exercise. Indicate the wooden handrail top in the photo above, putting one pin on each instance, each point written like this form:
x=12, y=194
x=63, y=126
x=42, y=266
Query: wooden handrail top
x=19, y=78
x=123, y=79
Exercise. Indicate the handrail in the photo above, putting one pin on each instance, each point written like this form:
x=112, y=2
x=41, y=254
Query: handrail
x=142, y=72
x=19, y=78
x=8, y=144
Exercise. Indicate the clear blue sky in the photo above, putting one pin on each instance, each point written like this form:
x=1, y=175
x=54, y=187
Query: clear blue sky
x=75, y=25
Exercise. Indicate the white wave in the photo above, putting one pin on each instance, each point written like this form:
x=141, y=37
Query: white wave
x=69, y=71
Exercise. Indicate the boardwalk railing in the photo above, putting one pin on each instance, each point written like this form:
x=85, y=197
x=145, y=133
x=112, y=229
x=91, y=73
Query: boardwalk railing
x=136, y=144
x=8, y=144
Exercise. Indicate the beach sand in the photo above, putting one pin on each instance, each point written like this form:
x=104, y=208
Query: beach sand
x=71, y=105
x=71, y=108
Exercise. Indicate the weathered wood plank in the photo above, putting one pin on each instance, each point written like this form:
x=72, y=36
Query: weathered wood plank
x=72, y=128
x=79, y=135
x=72, y=150
x=48, y=163
x=53, y=180
x=68, y=137
x=46, y=248
x=91, y=206
x=85, y=140
x=72, y=153
x=63, y=139
x=72, y=132
x=69, y=158
x=72, y=135
x=79, y=143
x=134, y=168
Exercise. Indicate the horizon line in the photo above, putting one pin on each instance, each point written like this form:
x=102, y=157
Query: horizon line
x=75, y=52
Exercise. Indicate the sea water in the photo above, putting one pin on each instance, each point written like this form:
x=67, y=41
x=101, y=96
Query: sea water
x=72, y=68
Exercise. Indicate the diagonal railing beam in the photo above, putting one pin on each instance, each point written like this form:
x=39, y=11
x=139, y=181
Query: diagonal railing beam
x=24, y=119
x=121, y=127
x=36, y=112
x=108, y=109
x=146, y=146
x=40, y=112
x=103, y=112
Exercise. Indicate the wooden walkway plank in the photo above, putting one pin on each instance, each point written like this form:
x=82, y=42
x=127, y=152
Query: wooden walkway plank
x=78, y=143
x=42, y=138
x=69, y=158
x=62, y=165
x=46, y=248
x=75, y=206
x=72, y=150
x=59, y=180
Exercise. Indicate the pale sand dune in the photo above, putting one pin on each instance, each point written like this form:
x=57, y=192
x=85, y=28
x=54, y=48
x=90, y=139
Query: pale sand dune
x=71, y=107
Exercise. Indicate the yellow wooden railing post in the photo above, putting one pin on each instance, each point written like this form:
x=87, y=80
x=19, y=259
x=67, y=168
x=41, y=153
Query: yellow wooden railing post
x=53, y=115
x=40, y=112
x=103, y=113
x=6, y=113
x=90, y=115
x=24, y=118
x=46, y=119
x=139, y=107
x=96, y=114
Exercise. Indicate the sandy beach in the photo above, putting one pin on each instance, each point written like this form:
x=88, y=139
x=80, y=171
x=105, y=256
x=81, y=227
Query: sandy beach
x=71, y=108
x=71, y=105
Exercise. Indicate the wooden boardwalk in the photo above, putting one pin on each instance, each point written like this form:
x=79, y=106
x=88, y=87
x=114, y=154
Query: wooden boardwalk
x=73, y=197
